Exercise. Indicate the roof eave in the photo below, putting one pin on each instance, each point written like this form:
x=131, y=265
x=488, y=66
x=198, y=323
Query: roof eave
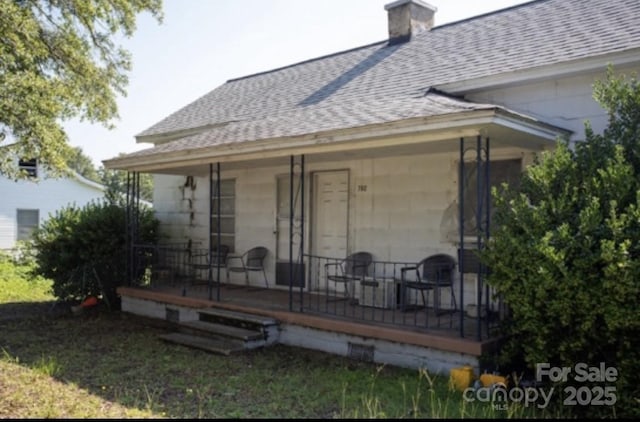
x=541, y=73
x=414, y=130
x=164, y=137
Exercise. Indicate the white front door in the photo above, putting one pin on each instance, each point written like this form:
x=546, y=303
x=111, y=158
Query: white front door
x=331, y=206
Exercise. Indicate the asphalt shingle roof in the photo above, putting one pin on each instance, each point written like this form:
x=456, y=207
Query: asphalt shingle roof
x=378, y=82
x=319, y=119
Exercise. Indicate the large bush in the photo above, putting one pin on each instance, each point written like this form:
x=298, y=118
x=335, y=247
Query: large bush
x=83, y=250
x=566, y=253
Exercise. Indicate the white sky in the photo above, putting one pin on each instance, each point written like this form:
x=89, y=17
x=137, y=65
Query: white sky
x=203, y=43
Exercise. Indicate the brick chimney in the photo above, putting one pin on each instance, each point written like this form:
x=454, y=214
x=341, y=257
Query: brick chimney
x=407, y=18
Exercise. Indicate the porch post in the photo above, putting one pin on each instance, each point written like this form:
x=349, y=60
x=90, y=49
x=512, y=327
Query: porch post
x=301, y=267
x=218, y=188
x=137, y=208
x=136, y=232
x=295, y=264
x=127, y=232
x=216, y=197
x=487, y=205
x=210, y=252
x=461, y=233
x=132, y=216
x=478, y=232
x=291, y=208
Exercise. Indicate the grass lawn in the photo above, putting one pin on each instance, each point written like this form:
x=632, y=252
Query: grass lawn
x=112, y=365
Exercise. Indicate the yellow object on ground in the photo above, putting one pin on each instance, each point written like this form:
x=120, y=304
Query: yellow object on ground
x=488, y=380
x=461, y=378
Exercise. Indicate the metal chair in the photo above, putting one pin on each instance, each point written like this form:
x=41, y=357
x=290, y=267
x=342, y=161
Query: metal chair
x=200, y=260
x=432, y=273
x=351, y=269
x=252, y=260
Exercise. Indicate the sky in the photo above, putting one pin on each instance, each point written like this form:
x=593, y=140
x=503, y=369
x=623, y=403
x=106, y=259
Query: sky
x=203, y=43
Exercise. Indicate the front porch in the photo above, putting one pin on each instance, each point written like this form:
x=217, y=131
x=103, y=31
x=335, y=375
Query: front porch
x=399, y=193
x=375, y=337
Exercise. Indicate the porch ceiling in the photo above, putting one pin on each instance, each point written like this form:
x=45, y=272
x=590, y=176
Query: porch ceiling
x=439, y=134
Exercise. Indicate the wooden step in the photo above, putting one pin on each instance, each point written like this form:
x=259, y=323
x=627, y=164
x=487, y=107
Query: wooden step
x=222, y=330
x=247, y=321
x=214, y=345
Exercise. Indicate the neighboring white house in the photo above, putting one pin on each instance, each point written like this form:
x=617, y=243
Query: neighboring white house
x=28, y=203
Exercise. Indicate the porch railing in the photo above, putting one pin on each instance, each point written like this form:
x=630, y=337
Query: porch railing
x=374, y=296
x=161, y=264
x=379, y=296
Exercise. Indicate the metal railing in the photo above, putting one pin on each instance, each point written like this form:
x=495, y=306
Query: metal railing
x=383, y=294
x=161, y=264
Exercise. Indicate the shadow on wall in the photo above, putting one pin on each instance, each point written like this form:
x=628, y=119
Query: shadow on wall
x=449, y=224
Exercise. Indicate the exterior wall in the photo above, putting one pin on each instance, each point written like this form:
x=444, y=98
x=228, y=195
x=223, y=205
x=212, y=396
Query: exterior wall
x=384, y=352
x=406, y=212
x=47, y=196
x=565, y=102
x=401, y=208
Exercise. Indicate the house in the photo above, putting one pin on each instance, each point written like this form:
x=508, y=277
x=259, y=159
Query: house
x=388, y=149
x=29, y=202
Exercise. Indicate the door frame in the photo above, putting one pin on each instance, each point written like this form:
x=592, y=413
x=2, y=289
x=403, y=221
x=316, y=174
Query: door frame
x=313, y=202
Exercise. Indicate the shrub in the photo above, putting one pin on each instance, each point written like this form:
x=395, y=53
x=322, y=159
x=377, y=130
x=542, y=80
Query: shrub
x=566, y=254
x=83, y=250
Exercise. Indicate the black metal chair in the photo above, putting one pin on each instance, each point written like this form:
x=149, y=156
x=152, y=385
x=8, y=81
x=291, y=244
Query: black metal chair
x=200, y=261
x=348, y=271
x=252, y=260
x=432, y=273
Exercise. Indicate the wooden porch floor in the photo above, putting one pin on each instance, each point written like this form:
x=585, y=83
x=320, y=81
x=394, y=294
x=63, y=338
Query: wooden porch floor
x=419, y=327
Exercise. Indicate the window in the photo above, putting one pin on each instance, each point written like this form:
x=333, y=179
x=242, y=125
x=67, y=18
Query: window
x=30, y=167
x=227, y=215
x=27, y=223
x=500, y=171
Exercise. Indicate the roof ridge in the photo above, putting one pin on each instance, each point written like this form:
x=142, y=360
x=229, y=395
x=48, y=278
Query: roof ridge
x=484, y=15
x=277, y=69
x=307, y=61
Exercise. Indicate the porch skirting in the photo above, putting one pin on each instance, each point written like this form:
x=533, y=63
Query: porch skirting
x=379, y=344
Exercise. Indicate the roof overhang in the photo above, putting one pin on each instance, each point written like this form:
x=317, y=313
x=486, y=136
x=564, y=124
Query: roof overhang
x=592, y=64
x=431, y=134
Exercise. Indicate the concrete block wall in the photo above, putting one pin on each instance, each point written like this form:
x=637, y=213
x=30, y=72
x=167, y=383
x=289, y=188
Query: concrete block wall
x=401, y=208
x=384, y=352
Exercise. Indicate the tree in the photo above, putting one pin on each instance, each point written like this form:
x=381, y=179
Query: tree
x=82, y=164
x=116, y=183
x=565, y=256
x=58, y=60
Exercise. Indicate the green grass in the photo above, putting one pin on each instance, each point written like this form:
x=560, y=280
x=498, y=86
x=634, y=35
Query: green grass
x=17, y=286
x=110, y=364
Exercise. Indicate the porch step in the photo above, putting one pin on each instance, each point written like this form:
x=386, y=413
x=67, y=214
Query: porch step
x=220, y=330
x=237, y=319
x=224, y=332
x=210, y=344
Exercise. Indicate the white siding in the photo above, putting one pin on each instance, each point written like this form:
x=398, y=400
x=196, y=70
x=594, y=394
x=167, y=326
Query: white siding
x=46, y=196
x=565, y=102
